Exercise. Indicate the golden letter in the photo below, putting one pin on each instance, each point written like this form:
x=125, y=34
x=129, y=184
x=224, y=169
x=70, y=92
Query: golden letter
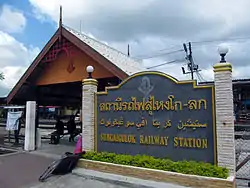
x=102, y=122
x=141, y=139
x=146, y=140
x=109, y=138
x=124, y=106
x=103, y=137
x=108, y=106
x=166, y=140
x=168, y=124
x=204, y=143
x=159, y=105
x=115, y=106
x=202, y=102
x=157, y=140
x=190, y=142
x=176, y=143
x=169, y=103
x=156, y=123
x=149, y=107
x=133, y=139
x=152, y=98
x=181, y=140
x=140, y=106
x=192, y=105
x=198, y=143
x=119, y=105
x=162, y=140
x=178, y=105
x=102, y=107
x=185, y=143
x=125, y=138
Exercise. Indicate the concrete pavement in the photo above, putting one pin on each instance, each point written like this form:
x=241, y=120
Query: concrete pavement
x=73, y=181
x=21, y=169
x=91, y=179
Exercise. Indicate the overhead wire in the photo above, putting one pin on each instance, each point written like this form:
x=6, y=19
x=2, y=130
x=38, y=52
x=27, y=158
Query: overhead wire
x=201, y=77
x=221, y=40
x=208, y=42
x=162, y=54
x=156, y=51
x=166, y=63
x=195, y=44
x=198, y=77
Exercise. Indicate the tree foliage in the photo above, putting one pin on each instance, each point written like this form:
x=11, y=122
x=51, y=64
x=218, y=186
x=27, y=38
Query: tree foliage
x=1, y=76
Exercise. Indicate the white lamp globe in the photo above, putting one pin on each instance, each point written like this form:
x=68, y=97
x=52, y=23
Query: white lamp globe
x=90, y=69
x=223, y=49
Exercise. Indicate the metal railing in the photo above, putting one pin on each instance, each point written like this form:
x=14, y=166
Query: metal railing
x=242, y=153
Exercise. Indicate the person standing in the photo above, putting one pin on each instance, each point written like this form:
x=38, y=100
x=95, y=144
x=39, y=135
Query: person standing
x=71, y=126
x=19, y=122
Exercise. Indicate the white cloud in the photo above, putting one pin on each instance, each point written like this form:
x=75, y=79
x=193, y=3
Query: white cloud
x=15, y=57
x=11, y=19
x=151, y=25
x=11, y=74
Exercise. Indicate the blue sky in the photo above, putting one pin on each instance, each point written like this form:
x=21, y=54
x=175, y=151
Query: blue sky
x=36, y=33
x=22, y=35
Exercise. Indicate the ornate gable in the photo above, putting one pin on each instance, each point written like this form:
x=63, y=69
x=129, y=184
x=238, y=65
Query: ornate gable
x=64, y=46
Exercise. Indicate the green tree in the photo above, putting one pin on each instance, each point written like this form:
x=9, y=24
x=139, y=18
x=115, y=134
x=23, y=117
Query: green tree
x=1, y=76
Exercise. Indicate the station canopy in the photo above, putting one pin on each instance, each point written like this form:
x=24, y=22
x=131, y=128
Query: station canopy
x=55, y=76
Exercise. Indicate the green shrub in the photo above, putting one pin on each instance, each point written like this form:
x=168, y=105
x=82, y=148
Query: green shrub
x=184, y=167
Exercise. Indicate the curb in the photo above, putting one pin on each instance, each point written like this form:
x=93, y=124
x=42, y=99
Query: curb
x=121, y=180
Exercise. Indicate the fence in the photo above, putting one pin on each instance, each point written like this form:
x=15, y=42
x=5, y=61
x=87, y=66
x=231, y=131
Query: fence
x=242, y=149
x=45, y=126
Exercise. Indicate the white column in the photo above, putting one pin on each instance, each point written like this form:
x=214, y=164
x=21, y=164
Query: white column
x=224, y=116
x=30, y=126
x=89, y=89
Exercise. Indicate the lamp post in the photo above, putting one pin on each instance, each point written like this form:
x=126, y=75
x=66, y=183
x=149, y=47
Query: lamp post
x=223, y=50
x=224, y=111
x=90, y=70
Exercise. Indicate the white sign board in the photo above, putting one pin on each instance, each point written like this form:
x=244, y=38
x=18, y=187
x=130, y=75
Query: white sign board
x=52, y=109
x=12, y=123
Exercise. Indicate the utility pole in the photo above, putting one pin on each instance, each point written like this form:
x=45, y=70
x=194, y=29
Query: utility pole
x=80, y=26
x=191, y=61
x=191, y=66
x=128, y=51
x=60, y=25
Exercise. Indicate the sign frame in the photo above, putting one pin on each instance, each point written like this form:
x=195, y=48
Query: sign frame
x=166, y=76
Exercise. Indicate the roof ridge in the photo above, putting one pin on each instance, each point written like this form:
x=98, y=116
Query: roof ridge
x=85, y=35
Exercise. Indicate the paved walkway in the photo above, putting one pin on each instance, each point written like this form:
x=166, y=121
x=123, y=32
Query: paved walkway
x=21, y=170
x=95, y=179
x=73, y=181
